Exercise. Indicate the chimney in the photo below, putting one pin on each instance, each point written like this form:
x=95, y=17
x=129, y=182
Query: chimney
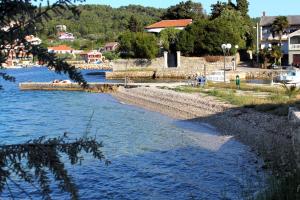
x=264, y=13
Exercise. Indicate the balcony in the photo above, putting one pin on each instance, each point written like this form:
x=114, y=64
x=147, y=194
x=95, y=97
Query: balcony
x=294, y=47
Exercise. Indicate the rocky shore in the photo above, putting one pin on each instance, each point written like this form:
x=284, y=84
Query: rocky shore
x=271, y=137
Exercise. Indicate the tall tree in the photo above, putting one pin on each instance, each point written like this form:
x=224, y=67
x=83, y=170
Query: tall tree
x=185, y=10
x=134, y=25
x=279, y=25
x=242, y=6
x=219, y=7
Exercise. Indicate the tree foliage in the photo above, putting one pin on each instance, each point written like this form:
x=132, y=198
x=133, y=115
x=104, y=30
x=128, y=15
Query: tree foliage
x=168, y=38
x=105, y=22
x=134, y=25
x=36, y=162
x=20, y=18
x=138, y=45
x=185, y=10
x=219, y=7
x=279, y=25
x=205, y=37
x=242, y=6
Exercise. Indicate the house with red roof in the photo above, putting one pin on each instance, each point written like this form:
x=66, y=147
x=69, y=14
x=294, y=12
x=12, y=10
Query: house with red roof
x=111, y=46
x=179, y=24
x=61, y=49
x=92, y=56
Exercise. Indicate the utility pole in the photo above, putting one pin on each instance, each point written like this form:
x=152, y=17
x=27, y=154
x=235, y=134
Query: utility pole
x=257, y=43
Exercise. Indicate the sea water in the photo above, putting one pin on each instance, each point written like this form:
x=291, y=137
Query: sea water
x=152, y=156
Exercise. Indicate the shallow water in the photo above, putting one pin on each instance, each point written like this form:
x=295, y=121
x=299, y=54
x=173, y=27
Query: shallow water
x=153, y=156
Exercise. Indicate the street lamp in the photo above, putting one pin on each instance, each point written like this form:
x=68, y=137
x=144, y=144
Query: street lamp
x=226, y=48
x=257, y=42
x=235, y=63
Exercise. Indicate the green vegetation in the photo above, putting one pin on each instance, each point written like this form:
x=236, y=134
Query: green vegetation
x=100, y=23
x=265, y=99
x=185, y=10
x=138, y=45
x=109, y=55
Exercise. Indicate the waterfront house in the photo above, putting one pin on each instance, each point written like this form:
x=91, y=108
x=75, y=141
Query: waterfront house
x=92, y=56
x=61, y=49
x=290, y=40
x=179, y=24
x=111, y=46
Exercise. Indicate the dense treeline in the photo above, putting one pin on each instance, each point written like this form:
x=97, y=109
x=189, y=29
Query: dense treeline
x=99, y=23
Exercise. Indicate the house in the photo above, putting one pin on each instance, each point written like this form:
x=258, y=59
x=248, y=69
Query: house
x=92, y=56
x=111, y=46
x=290, y=40
x=179, y=24
x=66, y=36
x=61, y=49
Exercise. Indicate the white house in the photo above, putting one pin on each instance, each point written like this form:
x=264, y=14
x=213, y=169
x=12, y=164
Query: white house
x=289, y=40
x=179, y=24
x=66, y=36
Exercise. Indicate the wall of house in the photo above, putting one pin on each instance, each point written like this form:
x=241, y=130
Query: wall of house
x=291, y=56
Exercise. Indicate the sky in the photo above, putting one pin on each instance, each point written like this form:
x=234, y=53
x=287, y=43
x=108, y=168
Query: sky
x=271, y=7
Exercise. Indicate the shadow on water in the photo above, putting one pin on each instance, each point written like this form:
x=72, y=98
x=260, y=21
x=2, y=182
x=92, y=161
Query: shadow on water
x=272, y=137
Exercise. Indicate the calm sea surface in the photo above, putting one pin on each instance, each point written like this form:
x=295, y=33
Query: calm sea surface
x=153, y=156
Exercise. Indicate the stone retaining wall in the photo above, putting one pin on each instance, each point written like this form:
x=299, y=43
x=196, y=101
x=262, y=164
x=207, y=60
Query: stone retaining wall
x=188, y=64
x=143, y=68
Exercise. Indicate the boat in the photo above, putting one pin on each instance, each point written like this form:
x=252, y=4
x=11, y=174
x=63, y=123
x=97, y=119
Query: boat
x=217, y=76
x=292, y=76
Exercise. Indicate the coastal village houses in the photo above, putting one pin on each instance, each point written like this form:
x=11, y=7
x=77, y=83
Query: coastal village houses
x=179, y=24
x=290, y=39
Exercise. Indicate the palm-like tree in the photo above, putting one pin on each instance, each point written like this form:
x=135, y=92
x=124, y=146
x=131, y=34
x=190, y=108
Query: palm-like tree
x=279, y=25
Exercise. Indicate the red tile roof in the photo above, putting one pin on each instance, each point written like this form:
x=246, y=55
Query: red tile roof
x=61, y=48
x=170, y=23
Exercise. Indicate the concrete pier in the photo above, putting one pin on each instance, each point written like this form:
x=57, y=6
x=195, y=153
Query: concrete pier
x=93, y=87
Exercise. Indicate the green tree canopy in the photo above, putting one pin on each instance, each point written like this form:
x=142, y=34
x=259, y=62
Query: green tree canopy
x=138, y=45
x=279, y=25
x=134, y=25
x=185, y=10
x=219, y=7
x=168, y=38
x=242, y=6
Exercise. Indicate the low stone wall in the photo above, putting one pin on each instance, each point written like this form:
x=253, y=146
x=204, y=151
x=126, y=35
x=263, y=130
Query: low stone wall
x=103, y=66
x=92, y=87
x=134, y=64
x=129, y=74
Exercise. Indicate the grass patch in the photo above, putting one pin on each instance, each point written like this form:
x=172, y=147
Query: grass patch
x=276, y=100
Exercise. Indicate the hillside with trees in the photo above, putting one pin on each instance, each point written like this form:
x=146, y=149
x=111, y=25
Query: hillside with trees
x=99, y=23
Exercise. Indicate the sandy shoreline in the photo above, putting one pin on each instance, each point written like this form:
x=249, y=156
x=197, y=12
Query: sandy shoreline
x=268, y=135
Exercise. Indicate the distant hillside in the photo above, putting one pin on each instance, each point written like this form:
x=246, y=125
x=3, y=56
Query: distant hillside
x=99, y=22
